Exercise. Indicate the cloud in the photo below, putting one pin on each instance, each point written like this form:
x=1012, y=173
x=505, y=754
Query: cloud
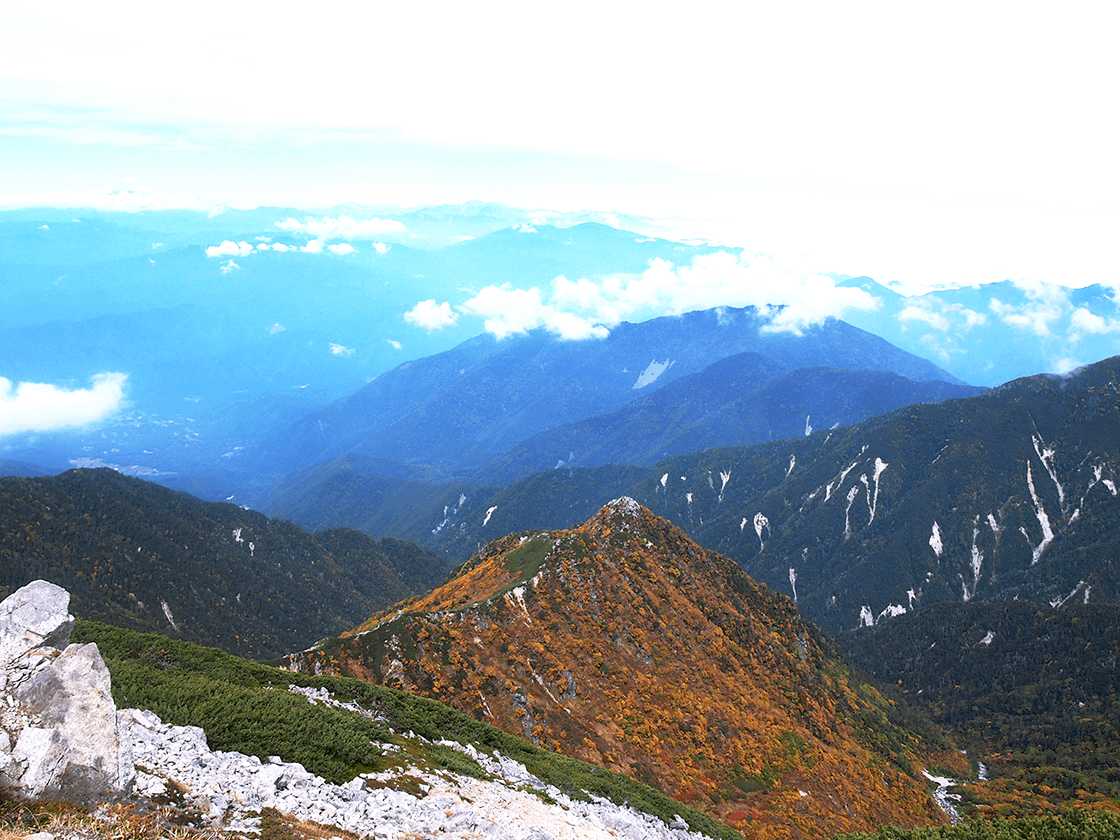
x=343, y=227
x=341, y=248
x=507, y=311
x=396, y=345
x=941, y=316
x=35, y=407
x=315, y=246
x=795, y=299
x=228, y=266
x=230, y=249
x=924, y=315
x=339, y=350
x=1065, y=364
x=276, y=328
x=588, y=308
x=1083, y=322
x=431, y=316
x=1045, y=305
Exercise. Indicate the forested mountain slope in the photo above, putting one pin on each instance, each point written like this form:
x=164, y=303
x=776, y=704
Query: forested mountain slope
x=1030, y=689
x=141, y=556
x=1012, y=493
x=737, y=401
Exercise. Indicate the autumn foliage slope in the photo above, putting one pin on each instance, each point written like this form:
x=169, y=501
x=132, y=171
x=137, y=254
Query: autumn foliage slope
x=624, y=643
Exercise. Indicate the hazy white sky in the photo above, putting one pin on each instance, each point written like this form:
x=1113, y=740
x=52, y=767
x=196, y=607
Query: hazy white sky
x=919, y=144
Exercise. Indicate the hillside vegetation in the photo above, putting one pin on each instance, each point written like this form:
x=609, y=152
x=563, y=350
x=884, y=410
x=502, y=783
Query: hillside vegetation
x=246, y=707
x=1031, y=689
x=138, y=555
x=623, y=643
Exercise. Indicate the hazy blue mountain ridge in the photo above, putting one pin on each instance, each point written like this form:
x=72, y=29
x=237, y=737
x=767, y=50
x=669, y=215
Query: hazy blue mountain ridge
x=472, y=404
x=737, y=401
x=996, y=332
x=234, y=346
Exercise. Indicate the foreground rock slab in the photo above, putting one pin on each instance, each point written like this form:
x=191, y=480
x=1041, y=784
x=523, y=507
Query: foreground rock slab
x=60, y=735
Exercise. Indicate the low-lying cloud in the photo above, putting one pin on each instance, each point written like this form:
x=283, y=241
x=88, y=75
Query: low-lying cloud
x=40, y=407
x=588, y=308
x=230, y=249
x=429, y=315
x=1045, y=305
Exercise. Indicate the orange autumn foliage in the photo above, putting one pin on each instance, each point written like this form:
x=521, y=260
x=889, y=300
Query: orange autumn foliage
x=624, y=643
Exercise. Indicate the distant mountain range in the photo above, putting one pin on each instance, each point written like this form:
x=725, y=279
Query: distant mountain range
x=223, y=347
x=235, y=326
x=1010, y=493
x=991, y=334
x=457, y=410
x=623, y=643
x=140, y=556
x=739, y=400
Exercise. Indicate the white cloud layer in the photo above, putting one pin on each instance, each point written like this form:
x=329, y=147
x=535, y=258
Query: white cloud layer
x=1046, y=305
x=343, y=227
x=507, y=311
x=38, y=407
x=430, y=315
x=586, y=308
x=230, y=249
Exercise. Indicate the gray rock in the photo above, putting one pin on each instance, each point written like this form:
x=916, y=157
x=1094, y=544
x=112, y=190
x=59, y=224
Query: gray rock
x=62, y=735
x=36, y=615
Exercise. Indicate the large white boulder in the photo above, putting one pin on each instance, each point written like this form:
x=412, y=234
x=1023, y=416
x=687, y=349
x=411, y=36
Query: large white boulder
x=60, y=737
x=37, y=615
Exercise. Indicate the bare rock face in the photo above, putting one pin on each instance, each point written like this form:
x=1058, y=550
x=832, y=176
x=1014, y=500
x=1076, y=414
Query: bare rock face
x=59, y=732
x=32, y=617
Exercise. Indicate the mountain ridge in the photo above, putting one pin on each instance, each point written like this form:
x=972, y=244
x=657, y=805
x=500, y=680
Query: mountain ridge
x=471, y=404
x=142, y=556
x=622, y=642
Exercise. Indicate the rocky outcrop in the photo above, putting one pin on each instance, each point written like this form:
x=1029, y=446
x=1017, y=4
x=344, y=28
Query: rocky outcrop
x=231, y=790
x=60, y=734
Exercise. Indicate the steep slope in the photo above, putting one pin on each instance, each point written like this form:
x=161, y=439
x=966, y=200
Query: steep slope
x=469, y=405
x=624, y=643
x=737, y=401
x=1030, y=690
x=141, y=556
x=1010, y=494
x=422, y=768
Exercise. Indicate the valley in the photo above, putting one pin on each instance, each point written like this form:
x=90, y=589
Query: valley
x=751, y=572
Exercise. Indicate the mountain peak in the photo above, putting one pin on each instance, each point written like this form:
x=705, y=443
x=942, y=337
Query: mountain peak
x=622, y=642
x=621, y=512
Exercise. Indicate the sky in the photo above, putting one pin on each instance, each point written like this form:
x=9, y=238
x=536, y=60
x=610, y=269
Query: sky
x=923, y=145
